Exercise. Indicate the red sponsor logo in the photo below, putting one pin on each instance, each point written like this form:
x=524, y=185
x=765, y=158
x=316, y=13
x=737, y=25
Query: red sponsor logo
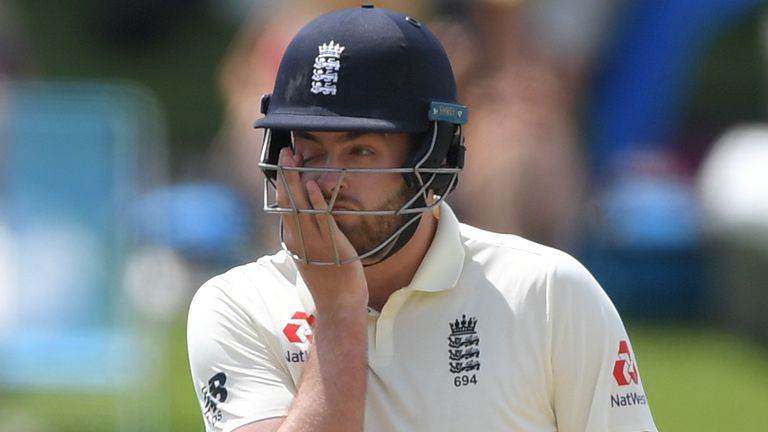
x=299, y=328
x=624, y=370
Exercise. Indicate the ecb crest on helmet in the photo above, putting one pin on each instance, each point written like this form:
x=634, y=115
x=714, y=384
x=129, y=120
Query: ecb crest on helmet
x=326, y=68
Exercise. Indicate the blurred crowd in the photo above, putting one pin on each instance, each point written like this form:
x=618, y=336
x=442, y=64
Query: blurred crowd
x=578, y=138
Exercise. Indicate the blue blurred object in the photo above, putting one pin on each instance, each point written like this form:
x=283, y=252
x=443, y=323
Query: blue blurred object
x=95, y=358
x=204, y=219
x=644, y=244
x=650, y=284
x=74, y=157
x=644, y=77
x=651, y=213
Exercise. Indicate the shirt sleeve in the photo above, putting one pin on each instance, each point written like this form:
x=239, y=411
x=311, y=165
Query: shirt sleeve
x=597, y=384
x=237, y=376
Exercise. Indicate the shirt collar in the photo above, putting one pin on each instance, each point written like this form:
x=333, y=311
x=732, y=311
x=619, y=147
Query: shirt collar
x=441, y=267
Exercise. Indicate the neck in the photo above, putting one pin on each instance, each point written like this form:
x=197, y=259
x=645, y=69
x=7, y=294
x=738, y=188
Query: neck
x=398, y=270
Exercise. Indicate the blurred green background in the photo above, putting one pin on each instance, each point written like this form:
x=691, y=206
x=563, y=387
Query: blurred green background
x=701, y=372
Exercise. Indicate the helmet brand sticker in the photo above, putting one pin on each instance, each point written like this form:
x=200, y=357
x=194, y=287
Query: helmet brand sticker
x=449, y=112
x=326, y=68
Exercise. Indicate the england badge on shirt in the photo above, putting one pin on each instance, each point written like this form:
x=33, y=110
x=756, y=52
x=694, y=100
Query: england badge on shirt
x=464, y=351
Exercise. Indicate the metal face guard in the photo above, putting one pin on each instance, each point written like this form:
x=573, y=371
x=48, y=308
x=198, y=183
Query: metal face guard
x=415, y=206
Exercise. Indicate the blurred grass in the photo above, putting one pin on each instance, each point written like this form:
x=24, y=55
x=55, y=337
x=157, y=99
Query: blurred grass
x=696, y=378
x=700, y=379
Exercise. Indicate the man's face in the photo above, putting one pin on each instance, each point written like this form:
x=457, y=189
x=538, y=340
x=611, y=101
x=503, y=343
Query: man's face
x=359, y=191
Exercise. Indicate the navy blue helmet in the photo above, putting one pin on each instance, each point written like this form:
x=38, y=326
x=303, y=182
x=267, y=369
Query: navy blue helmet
x=370, y=70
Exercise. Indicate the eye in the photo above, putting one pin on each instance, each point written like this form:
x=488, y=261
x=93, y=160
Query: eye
x=361, y=151
x=310, y=157
x=310, y=153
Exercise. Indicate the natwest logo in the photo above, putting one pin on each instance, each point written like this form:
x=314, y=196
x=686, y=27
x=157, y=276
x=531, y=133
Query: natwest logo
x=624, y=370
x=299, y=328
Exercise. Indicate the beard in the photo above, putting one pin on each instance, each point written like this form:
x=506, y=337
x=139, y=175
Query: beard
x=367, y=232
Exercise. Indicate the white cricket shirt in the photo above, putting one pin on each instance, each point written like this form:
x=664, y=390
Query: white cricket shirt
x=494, y=333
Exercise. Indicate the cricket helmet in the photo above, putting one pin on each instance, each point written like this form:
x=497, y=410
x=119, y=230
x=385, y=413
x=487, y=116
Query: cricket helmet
x=369, y=70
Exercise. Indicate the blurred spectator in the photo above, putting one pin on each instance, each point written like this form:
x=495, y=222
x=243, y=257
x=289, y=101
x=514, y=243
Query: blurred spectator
x=522, y=89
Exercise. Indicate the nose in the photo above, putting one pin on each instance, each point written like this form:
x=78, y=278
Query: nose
x=328, y=177
x=329, y=181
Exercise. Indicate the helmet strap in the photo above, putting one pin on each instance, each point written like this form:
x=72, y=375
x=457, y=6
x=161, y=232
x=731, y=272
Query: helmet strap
x=401, y=240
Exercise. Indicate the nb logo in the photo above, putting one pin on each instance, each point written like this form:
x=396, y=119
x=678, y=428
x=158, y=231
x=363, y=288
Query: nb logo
x=213, y=395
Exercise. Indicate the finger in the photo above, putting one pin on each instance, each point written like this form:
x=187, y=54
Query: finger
x=341, y=248
x=316, y=198
x=325, y=222
x=291, y=194
x=290, y=190
x=285, y=196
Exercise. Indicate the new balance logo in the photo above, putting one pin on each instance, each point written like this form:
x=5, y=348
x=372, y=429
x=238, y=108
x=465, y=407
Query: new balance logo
x=213, y=395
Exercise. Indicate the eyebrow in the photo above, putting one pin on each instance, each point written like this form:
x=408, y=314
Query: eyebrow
x=347, y=136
